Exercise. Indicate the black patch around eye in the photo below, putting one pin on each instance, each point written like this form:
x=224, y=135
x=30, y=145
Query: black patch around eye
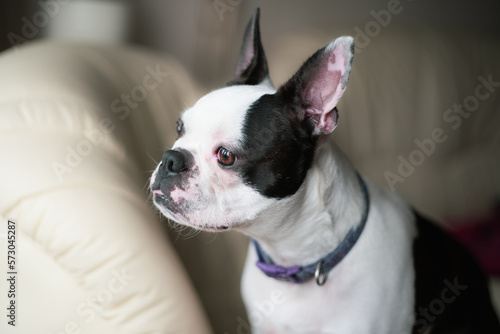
x=278, y=148
x=180, y=128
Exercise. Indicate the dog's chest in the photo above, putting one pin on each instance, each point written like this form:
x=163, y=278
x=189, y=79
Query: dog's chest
x=275, y=307
x=370, y=291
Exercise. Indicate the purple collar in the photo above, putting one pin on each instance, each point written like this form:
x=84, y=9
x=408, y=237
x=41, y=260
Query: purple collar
x=319, y=269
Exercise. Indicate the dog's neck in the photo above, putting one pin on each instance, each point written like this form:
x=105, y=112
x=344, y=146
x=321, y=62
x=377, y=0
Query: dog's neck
x=301, y=229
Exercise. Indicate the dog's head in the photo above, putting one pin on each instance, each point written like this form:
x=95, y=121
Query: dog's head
x=242, y=148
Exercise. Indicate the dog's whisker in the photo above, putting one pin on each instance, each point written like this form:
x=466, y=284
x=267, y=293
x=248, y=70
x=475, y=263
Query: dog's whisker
x=152, y=159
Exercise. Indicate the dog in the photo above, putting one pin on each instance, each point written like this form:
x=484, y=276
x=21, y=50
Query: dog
x=333, y=251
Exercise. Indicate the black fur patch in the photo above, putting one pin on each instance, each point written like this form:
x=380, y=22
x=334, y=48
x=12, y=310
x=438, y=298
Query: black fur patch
x=451, y=291
x=279, y=141
x=278, y=148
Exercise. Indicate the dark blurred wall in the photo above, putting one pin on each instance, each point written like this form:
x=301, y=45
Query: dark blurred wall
x=12, y=21
x=207, y=43
x=205, y=37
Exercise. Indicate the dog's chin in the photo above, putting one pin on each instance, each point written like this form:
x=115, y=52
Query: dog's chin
x=201, y=227
x=174, y=213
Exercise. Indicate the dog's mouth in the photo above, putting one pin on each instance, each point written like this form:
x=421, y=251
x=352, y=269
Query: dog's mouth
x=208, y=228
x=159, y=198
x=159, y=193
x=174, y=211
x=163, y=202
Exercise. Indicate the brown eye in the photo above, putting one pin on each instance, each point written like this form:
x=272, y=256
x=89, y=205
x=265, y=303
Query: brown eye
x=225, y=157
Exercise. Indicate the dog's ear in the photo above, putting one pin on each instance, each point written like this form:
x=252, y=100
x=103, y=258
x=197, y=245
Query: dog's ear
x=252, y=64
x=319, y=84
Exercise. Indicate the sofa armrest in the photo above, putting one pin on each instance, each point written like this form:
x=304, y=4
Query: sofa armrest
x=92, y=255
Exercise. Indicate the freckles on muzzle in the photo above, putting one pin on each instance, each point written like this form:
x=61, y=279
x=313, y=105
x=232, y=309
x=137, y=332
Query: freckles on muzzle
x=173, y=182
x=177, y=197
x=189, y=207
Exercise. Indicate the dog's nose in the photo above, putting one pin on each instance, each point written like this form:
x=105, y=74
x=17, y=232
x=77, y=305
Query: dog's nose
x=174, y=161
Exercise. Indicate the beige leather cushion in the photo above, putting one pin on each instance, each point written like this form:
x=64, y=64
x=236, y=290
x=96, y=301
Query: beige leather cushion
x=91, y=252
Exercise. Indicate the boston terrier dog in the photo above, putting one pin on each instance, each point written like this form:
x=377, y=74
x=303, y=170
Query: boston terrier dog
x=332, y=251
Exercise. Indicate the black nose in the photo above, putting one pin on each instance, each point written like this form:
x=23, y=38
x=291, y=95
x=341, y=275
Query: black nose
x=174, y=161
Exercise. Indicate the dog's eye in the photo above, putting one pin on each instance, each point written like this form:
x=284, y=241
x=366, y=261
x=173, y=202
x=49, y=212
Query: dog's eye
x=180, y=128
x=225, y=157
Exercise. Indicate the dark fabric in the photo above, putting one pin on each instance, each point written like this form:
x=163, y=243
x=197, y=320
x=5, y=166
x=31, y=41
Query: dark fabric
x=451, y=291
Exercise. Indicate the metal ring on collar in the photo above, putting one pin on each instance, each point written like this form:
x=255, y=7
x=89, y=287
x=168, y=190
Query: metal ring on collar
x=320, y=277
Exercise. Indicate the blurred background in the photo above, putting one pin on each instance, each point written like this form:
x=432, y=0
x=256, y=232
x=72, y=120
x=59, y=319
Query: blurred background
x=205, y=34
x=416, y=61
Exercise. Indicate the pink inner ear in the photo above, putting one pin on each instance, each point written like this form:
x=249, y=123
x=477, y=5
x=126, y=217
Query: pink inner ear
x=247, y=60
x=328, y=122
x=324, y=88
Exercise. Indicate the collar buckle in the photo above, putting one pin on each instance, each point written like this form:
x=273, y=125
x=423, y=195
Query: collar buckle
x=318, y=275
